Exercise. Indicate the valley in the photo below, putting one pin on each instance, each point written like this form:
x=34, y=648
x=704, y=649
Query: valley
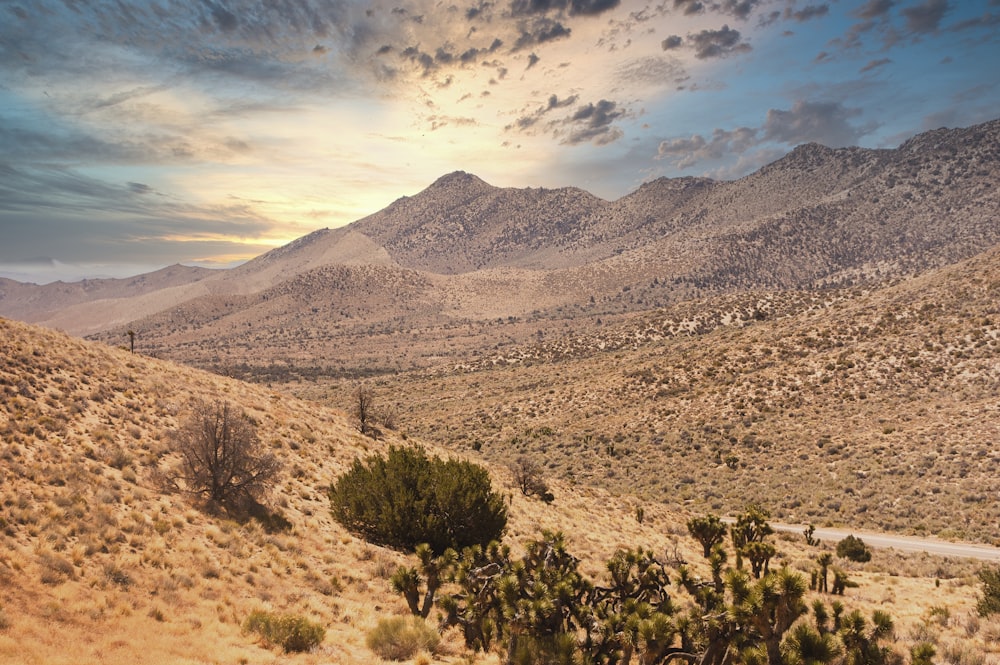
x=820, y=338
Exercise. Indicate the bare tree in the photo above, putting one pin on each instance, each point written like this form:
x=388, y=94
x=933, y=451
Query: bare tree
x=364, y=411
x=528, y=478
x=222, y=459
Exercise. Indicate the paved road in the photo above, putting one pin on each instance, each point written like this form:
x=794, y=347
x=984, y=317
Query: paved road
x=902, y=543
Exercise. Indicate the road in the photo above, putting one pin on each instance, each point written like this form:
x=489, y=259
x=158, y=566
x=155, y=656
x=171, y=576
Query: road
x=902, y=543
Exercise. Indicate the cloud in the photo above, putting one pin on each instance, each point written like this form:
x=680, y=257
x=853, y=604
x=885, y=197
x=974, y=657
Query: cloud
x=528, y=121
x=717, y=43
x=687, y=152
x=572, y=7
x=807, y=13
x=925, y=17
x=689, y=7
x=538, y=31
x=672, y=42
x=823, y=122
x=741, y=9
x=874, y=9
x=594, y=123
x=875, y=64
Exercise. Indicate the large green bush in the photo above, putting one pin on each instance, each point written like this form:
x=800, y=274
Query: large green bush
x=853, y=548
x=989, y=602
x=407, y=498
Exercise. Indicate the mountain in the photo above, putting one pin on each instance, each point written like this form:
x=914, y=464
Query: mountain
x=464, y=267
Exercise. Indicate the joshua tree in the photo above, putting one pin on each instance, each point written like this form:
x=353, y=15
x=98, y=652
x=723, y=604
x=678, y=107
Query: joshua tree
x=708, y=530
x=824, y=560
x=807, y=646
x=131, y=340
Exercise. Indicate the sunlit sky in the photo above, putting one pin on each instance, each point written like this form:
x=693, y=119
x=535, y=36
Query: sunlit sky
x=134, y=135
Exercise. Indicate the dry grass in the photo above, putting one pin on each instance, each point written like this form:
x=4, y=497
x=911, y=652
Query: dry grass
x=99, y=564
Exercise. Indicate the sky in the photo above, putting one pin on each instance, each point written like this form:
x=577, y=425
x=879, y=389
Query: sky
x=134, y=135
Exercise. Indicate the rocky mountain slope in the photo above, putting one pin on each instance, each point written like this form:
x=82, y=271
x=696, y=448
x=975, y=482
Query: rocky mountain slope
x=484, y=266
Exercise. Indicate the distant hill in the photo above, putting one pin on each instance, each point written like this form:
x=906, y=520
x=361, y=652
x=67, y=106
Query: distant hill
x=463, y=266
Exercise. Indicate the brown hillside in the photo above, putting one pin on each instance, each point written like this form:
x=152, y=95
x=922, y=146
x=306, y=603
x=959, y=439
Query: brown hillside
x=874, y=409
x=100, y=565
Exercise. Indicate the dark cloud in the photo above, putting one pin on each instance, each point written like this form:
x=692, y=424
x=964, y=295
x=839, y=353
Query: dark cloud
x=806, y=13
x=532, y=60
x=573, y=7
x=538, y=31
x=925, y=17
x=689, y=7
x=224, y=19
x=717, y=43
x=987, y=20
x=875, y=64
x=686, y=152
x=672, y=42
x=139, y=188
x=874, y=9
x=741, y=9
x=828, y=123
x=821, y=122
x=532, y=119
x=594, y=123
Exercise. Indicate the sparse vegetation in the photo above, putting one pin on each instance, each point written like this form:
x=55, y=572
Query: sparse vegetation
x=291, y=633
x=401, y=638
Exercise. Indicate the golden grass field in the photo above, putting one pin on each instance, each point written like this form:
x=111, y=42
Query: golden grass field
x=99, y=564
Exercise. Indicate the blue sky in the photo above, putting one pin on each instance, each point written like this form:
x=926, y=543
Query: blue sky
x=139, y=134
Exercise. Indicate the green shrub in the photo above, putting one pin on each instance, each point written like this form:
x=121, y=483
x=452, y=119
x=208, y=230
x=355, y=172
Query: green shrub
x=408, y=498
x=989, y=603
x=400, y=638
x=292, y=633
x=853, y=548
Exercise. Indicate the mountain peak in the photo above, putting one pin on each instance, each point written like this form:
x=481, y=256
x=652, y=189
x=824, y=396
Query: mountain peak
x=458, y=178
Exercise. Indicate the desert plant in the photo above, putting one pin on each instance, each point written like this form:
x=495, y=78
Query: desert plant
x=407, y=498
x=288, y=631
x=922, y=654
x=430, y=574
x=708, y=530
x=752, y=527
x=825, y=560
x=400, y=638
x=853, y=548
x=863, y=645
x=528, y=477
x=989, y=602
x=805, y=645
x=364, y=411
x=221, y=457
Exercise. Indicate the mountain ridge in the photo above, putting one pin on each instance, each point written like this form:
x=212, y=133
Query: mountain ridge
x=542, y=259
